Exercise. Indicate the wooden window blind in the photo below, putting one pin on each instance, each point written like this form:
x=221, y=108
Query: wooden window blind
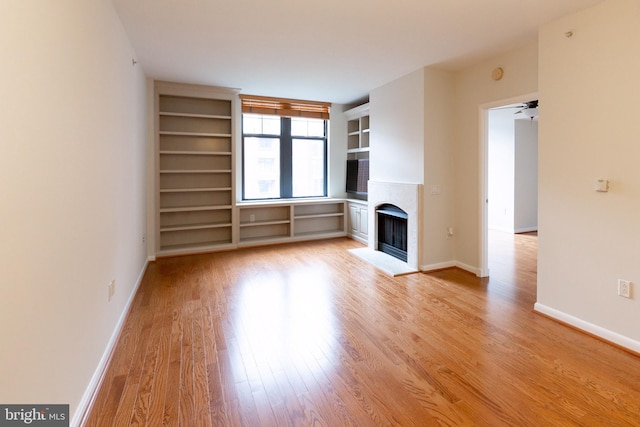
x=285, y=107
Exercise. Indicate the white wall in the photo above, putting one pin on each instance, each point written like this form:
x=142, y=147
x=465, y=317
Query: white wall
x=425, y=128
x=411, y=142
x=512, y=172
x=525, y=201
x=397, y=130
x=438, y=214
x=501, y=169
x=337, y=160
x=589, y=130
x=72, y=205
x=473, y=88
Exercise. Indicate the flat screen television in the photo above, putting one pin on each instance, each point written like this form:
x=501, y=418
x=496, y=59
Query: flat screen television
x=357, y=176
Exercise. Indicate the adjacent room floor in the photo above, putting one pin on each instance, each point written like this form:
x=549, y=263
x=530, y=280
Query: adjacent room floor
x=309, y=334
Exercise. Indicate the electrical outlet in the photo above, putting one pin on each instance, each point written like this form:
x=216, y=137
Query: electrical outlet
x=624, y=288
x=252, y=218
x=144, y=239
x=111, y=289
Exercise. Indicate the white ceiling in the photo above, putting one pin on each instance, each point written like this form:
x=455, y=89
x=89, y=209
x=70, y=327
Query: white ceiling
x=324, y=50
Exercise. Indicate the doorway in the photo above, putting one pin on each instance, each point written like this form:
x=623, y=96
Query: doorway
x=508, y=171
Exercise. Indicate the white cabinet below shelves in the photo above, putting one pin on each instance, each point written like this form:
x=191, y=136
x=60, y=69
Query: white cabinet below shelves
x=358, y=222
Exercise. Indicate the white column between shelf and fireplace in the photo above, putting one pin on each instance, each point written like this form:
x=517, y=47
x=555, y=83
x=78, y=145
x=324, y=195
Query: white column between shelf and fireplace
x=406, y=196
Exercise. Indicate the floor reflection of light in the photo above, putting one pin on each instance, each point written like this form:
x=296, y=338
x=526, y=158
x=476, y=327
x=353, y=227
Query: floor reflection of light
x=285, y=319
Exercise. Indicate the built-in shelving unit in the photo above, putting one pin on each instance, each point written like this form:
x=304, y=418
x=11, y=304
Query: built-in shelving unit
x=319, y=219
x=358, y=132
x=264, y=223
x=196, y=209
x=195, y=168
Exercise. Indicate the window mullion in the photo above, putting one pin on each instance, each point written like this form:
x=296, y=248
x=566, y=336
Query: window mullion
x=286, y=149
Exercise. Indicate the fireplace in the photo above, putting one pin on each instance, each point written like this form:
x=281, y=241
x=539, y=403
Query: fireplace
x=406, y=198
x=392, y=231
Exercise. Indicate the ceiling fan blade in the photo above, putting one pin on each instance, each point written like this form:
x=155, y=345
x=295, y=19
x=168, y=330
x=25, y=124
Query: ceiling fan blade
x=509, y=107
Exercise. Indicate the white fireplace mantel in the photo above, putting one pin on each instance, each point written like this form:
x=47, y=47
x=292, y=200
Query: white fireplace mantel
x=407, y=197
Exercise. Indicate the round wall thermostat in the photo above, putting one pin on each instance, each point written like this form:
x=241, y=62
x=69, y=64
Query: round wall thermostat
x=497, y=73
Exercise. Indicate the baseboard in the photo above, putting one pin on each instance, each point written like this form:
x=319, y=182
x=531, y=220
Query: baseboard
x=450, y=264
x=438, y=266
x=87, y=401
x=525, y=230
x=514, y=230
x=358, y=239
x=595, y=330
x=469, y=268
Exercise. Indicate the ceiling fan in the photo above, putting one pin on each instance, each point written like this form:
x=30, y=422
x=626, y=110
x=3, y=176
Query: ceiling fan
x=529, y=109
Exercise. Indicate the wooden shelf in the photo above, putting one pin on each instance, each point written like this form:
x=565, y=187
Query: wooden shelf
x=199, y=100
x=221, y=145
x=197, y=153
x=326, y=234
x=320, y=208
x=261, y=223
x=186, y=190
x=358, y=150
x=195, y=208
x=225, y=171
x=261, y=241
x=195, y=227
x=198, y=116
x=267, y=239
x=181, y=133
x=319, y=215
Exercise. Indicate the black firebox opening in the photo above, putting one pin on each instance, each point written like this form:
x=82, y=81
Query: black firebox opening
x=392, y=231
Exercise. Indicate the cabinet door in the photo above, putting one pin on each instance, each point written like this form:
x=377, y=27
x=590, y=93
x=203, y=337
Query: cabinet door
x=364, y=221
x=353, y=219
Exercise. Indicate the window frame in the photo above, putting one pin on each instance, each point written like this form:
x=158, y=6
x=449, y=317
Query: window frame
x=286, y=157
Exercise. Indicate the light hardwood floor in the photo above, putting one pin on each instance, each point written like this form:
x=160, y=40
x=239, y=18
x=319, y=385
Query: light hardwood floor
x=308, y=334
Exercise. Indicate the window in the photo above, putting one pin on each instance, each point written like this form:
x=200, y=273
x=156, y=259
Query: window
x=283, y=157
